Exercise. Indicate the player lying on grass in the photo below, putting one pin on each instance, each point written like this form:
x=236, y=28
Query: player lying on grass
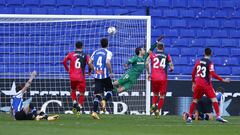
x=28, y=111
x=202, y=74
x=160, y=61
x=138, y=65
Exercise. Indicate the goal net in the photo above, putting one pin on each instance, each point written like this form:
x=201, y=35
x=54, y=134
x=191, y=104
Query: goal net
x=40, y=42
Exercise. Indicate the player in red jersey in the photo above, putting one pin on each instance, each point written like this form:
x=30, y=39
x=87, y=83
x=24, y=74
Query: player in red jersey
x=202, y=74
x=78, y=60
x=159, y=66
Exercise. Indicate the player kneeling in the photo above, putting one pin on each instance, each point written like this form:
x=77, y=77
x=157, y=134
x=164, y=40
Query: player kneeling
x=27, y=111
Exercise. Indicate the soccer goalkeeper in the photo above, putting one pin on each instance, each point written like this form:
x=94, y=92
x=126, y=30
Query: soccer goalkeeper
x=138, y=65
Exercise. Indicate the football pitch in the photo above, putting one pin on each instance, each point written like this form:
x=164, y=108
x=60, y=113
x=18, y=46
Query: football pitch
x=118, y=125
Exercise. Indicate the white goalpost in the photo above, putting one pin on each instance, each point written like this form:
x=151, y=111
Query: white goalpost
x=40, y=42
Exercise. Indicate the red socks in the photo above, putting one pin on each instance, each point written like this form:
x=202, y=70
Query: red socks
x=160, y=103
x=216, y=108
x=192, y=107
x=73, y=95
x=154, y=100
x=81, y=100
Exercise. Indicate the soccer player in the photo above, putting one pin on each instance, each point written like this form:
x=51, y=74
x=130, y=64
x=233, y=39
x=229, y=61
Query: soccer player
x=138, y=65
x=159, y=66
x=101, y=60
x=202, y=73
x=28, y=111
x=78, y=61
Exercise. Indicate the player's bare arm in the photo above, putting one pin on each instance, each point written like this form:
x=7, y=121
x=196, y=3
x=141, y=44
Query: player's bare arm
x=108, y=64
x=148, y=69
x=28, y=83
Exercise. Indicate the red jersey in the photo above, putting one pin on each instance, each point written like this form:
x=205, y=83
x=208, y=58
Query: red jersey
x=78, y=61
x=159, y=65
x=203, y=72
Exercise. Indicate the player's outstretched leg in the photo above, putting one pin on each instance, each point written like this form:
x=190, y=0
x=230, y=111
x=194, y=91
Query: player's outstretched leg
x=96, y=101
x=216, y=108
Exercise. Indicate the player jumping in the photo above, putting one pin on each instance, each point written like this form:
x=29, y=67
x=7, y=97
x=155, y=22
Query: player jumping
x=101, y=60
x=202, y=73
x=78, y=60
x=138, y=65
x=159, y=66
x=27, y=111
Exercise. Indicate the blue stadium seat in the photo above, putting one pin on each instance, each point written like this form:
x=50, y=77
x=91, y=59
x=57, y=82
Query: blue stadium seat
x=205, y=13
x=156, y=12
x=236, y=70
x=211, y=4
x=22, y=11
x=233, y=61
x=130, y=3
x=31, y=2
x=203, y=33
x=14, y=2
x=170, y=13
x=222, y=14
x=156, y=32
x=195, y=23
x=163, y=23
x=146, y=3
x=188, y=51
x=223, y=70
x=197, y=43
x=163, y=3
x=187, y=14
x=88, y=11
x=73, y=11
x=236, y=13
x=139, y=12
x=213, y=42
x=181, y=43
x=170, y=32
x=114, y=3
x=7, y=10
x=218, y=61
x=211, y=24
x=172, y=51
x=200, y=52
x=192, y=60
x=220, y=51
x=195, y=3
x=56, y=11
x=80, y=3
x=64, y=2
x=166, y=41
x=220, y=34
x=229, y=43
x=105, y=11
x=179, y=23
x=187, y=33
x=228, y=24
x=180, y=3
x=97, y=3
x=187, y=70
x=2, y=2
x=180, y=60
x=120, y=11
x=226, y=4
x=48, y=2
x=234, y=34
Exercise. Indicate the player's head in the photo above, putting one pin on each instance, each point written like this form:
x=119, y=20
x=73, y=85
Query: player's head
x=19, y=87
x=160, y=46
x=104, y=42
x=79, y=45
x=140, y=51
x=220, y=89
x=208, y=52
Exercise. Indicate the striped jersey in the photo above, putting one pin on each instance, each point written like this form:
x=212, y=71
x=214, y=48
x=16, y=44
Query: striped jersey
x=99, y=58
x=17, y=102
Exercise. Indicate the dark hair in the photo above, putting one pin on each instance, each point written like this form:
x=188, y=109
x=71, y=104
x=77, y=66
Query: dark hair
x=104, y=42
x=79, y=45
x=160, y=46
x=208, y=52
x=220, y=89
x=19, y=87
x=137, y=50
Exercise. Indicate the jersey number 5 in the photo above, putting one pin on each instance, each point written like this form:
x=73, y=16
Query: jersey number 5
x=77, y=63
x=203, y=71
x=156, y=63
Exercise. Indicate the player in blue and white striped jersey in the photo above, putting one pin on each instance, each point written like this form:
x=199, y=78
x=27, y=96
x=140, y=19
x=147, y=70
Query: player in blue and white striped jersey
x=101, y=60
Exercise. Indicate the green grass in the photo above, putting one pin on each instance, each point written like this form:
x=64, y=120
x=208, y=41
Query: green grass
x=118, y=125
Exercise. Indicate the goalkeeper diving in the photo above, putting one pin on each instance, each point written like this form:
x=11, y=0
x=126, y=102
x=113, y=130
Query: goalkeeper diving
x=138, y=65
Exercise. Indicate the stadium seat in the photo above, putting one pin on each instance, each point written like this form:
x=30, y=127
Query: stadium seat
x=156, y=32
x=200, y=52
x=218, y=61
x=170, y=32
x=162, y=23
x=187, y=14
x=120, y=11
x=236, y=70
x=236, y=14
x=146, y=3
x=187, y=33
x=114, y=3
x=31, y=3
x=233, y=61
x=97, y=3
x=156, y=13
x=211, y=24
x=234, y=34
x=226, y=4
x=88, y=11
x=56, y=11
x=163, y=3
x=105, y=11
x=179, y=3
x=228, y=24
x=213, y=42
x=73, y=11
x=179, y=23
x=220, y=51
x=22, y=11
x=65, y=3
x=2, y=3
x=222, y=14
x=220, y=34
x=80, y=3
x=195, y=23
x=139, y=12
x=130, y=3
x=229, y=43
x=187, y=70
x=48, y=2
x=223, y=70
x=7, y=10
x=14, y=2
x=181, y=43
x=203, y=33
x=208, y=14
x=170, y=13
x=172, y=51
x=192, y=61
x=180, y=60
x=197, y=43
x=188, y=51
x=211, y=4
x=195, y=3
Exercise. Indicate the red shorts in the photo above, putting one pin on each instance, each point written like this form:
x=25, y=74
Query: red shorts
x=78, y=85
x=199, y=91
x=159, y=86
